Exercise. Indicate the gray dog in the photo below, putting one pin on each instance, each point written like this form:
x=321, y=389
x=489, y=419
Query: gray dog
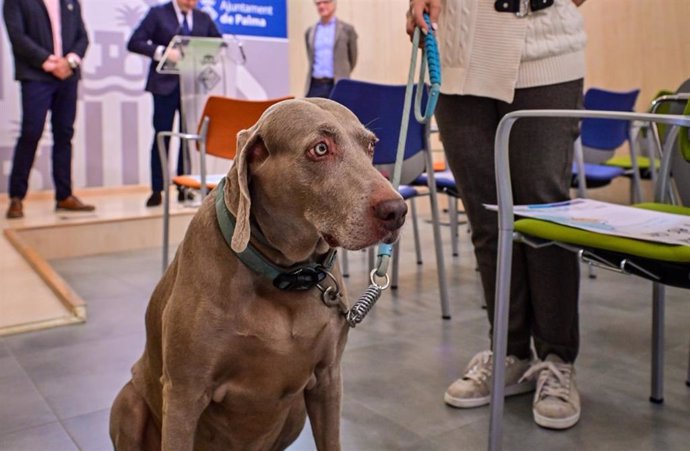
x=238, y=353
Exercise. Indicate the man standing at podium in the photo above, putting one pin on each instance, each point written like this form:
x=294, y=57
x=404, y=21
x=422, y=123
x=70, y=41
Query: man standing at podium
x=150, y=38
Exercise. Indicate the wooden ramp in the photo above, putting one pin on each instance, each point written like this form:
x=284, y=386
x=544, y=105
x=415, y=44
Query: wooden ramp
x=32, y=295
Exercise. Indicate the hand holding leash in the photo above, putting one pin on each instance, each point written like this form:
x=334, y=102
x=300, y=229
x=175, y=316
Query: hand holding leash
x=415, y=15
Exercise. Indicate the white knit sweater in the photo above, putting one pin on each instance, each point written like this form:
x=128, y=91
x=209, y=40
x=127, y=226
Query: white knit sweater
x=489, y=54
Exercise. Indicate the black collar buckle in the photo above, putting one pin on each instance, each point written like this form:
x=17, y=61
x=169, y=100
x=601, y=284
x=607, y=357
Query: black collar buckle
x=300, y=279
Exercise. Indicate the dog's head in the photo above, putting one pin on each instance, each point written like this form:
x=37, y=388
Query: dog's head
x=304, y=172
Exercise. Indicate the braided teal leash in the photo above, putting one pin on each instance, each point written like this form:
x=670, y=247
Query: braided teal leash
x=433, y=59
x=430, y=50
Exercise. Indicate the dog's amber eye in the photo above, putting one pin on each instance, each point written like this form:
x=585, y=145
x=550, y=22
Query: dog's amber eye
x=372, y=145
x=321, y=149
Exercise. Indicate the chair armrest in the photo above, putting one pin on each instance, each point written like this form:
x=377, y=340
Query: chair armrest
x=187, y=136
x=162, y=151
x=656, y=103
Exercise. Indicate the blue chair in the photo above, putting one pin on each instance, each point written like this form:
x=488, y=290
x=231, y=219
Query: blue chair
x=599, y=139
x=379, y=107
x=644, y=138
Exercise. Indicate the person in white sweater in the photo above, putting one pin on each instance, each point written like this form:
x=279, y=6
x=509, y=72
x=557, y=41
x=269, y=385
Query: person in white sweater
x=498, y=57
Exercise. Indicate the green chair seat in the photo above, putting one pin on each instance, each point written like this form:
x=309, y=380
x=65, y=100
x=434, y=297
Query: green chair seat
x=625, y=162
x=646, y=249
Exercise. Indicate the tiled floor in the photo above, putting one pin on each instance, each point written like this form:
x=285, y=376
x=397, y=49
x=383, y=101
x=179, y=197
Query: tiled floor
x=56, y=385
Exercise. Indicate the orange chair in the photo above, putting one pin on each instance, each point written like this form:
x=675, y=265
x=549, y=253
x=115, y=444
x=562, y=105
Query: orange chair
x=220, y=122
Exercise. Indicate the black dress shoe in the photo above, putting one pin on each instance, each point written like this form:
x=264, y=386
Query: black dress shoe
x=155, y=199
x=183, y=195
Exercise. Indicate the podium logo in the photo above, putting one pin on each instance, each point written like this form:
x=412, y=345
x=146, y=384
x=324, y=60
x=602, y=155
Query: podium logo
x=209, y=78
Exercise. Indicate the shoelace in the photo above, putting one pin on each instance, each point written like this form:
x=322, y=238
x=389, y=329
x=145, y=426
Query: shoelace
x=480, y=367
x=553, y=382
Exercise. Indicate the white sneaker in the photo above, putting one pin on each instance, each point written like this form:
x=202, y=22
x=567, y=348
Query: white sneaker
x=556, y=402
x=474, y=388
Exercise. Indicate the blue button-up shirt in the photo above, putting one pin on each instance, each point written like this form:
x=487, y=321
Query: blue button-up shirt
x=324, y=41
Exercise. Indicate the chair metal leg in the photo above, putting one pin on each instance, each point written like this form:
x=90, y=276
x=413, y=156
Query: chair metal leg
x=636, y=183
x=160, y=140
x=345, y=263
x=436, y=225
x=396, y=266
x=415, y=231
x=453, y=213
x=657, y=395
x=687, y=379
x=166, y=225
x=500, y=337
x=580, y=162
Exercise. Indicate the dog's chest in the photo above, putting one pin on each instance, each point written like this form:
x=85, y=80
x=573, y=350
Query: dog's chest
x=270, y=378
x=275, y=358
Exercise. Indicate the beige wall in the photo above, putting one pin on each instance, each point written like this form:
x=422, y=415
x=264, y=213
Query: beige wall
x=637, y=44
x=632, y=43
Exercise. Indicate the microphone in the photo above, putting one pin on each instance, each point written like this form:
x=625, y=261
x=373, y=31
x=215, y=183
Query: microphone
x=240, y=47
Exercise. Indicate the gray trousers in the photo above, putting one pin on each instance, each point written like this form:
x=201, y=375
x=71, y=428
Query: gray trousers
x=545, y=282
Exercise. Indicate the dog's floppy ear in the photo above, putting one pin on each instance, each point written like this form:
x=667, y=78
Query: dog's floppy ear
x=250, y=147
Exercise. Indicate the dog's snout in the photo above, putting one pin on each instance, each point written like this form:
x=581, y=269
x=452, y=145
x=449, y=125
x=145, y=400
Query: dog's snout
x=391, y=213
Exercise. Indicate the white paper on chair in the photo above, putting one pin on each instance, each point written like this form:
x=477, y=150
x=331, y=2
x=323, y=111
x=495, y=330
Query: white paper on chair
x=611, y=219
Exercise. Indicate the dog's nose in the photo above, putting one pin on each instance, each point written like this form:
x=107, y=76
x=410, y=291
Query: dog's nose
x=391, y=213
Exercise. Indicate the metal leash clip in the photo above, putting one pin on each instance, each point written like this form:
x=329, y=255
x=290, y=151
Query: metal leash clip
x=331, y=295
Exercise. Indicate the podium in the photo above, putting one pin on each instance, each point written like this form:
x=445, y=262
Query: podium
x=206, y=66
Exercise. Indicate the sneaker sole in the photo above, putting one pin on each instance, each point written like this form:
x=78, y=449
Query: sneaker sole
x=556, y=423
x=465, y=403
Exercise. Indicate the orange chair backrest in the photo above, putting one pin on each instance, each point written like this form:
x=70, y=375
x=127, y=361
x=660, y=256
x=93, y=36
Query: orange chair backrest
x=227, y=117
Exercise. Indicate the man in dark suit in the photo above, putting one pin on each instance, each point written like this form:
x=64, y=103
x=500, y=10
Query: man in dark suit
x=151, y=37
x=48, y=42
x=331, y=50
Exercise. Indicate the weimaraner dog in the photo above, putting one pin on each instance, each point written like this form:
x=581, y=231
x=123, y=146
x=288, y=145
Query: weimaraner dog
x=233, y=359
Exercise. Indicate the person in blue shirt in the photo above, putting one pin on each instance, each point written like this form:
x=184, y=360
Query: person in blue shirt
x=331, y=50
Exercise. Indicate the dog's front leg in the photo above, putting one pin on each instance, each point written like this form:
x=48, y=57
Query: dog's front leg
x=183, y=405
x=323, y=407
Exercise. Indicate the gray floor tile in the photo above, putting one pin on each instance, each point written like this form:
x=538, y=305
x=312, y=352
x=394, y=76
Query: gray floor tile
x=362, y=429
x=90, y=431
x=84, y=377
x=99, y=286
x=47, y=437
x=21, y=405
x=4, y=352
x=107, y=318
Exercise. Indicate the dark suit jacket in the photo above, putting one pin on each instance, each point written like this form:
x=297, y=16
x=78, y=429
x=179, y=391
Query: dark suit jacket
x=28, y=27
x=158, y=28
